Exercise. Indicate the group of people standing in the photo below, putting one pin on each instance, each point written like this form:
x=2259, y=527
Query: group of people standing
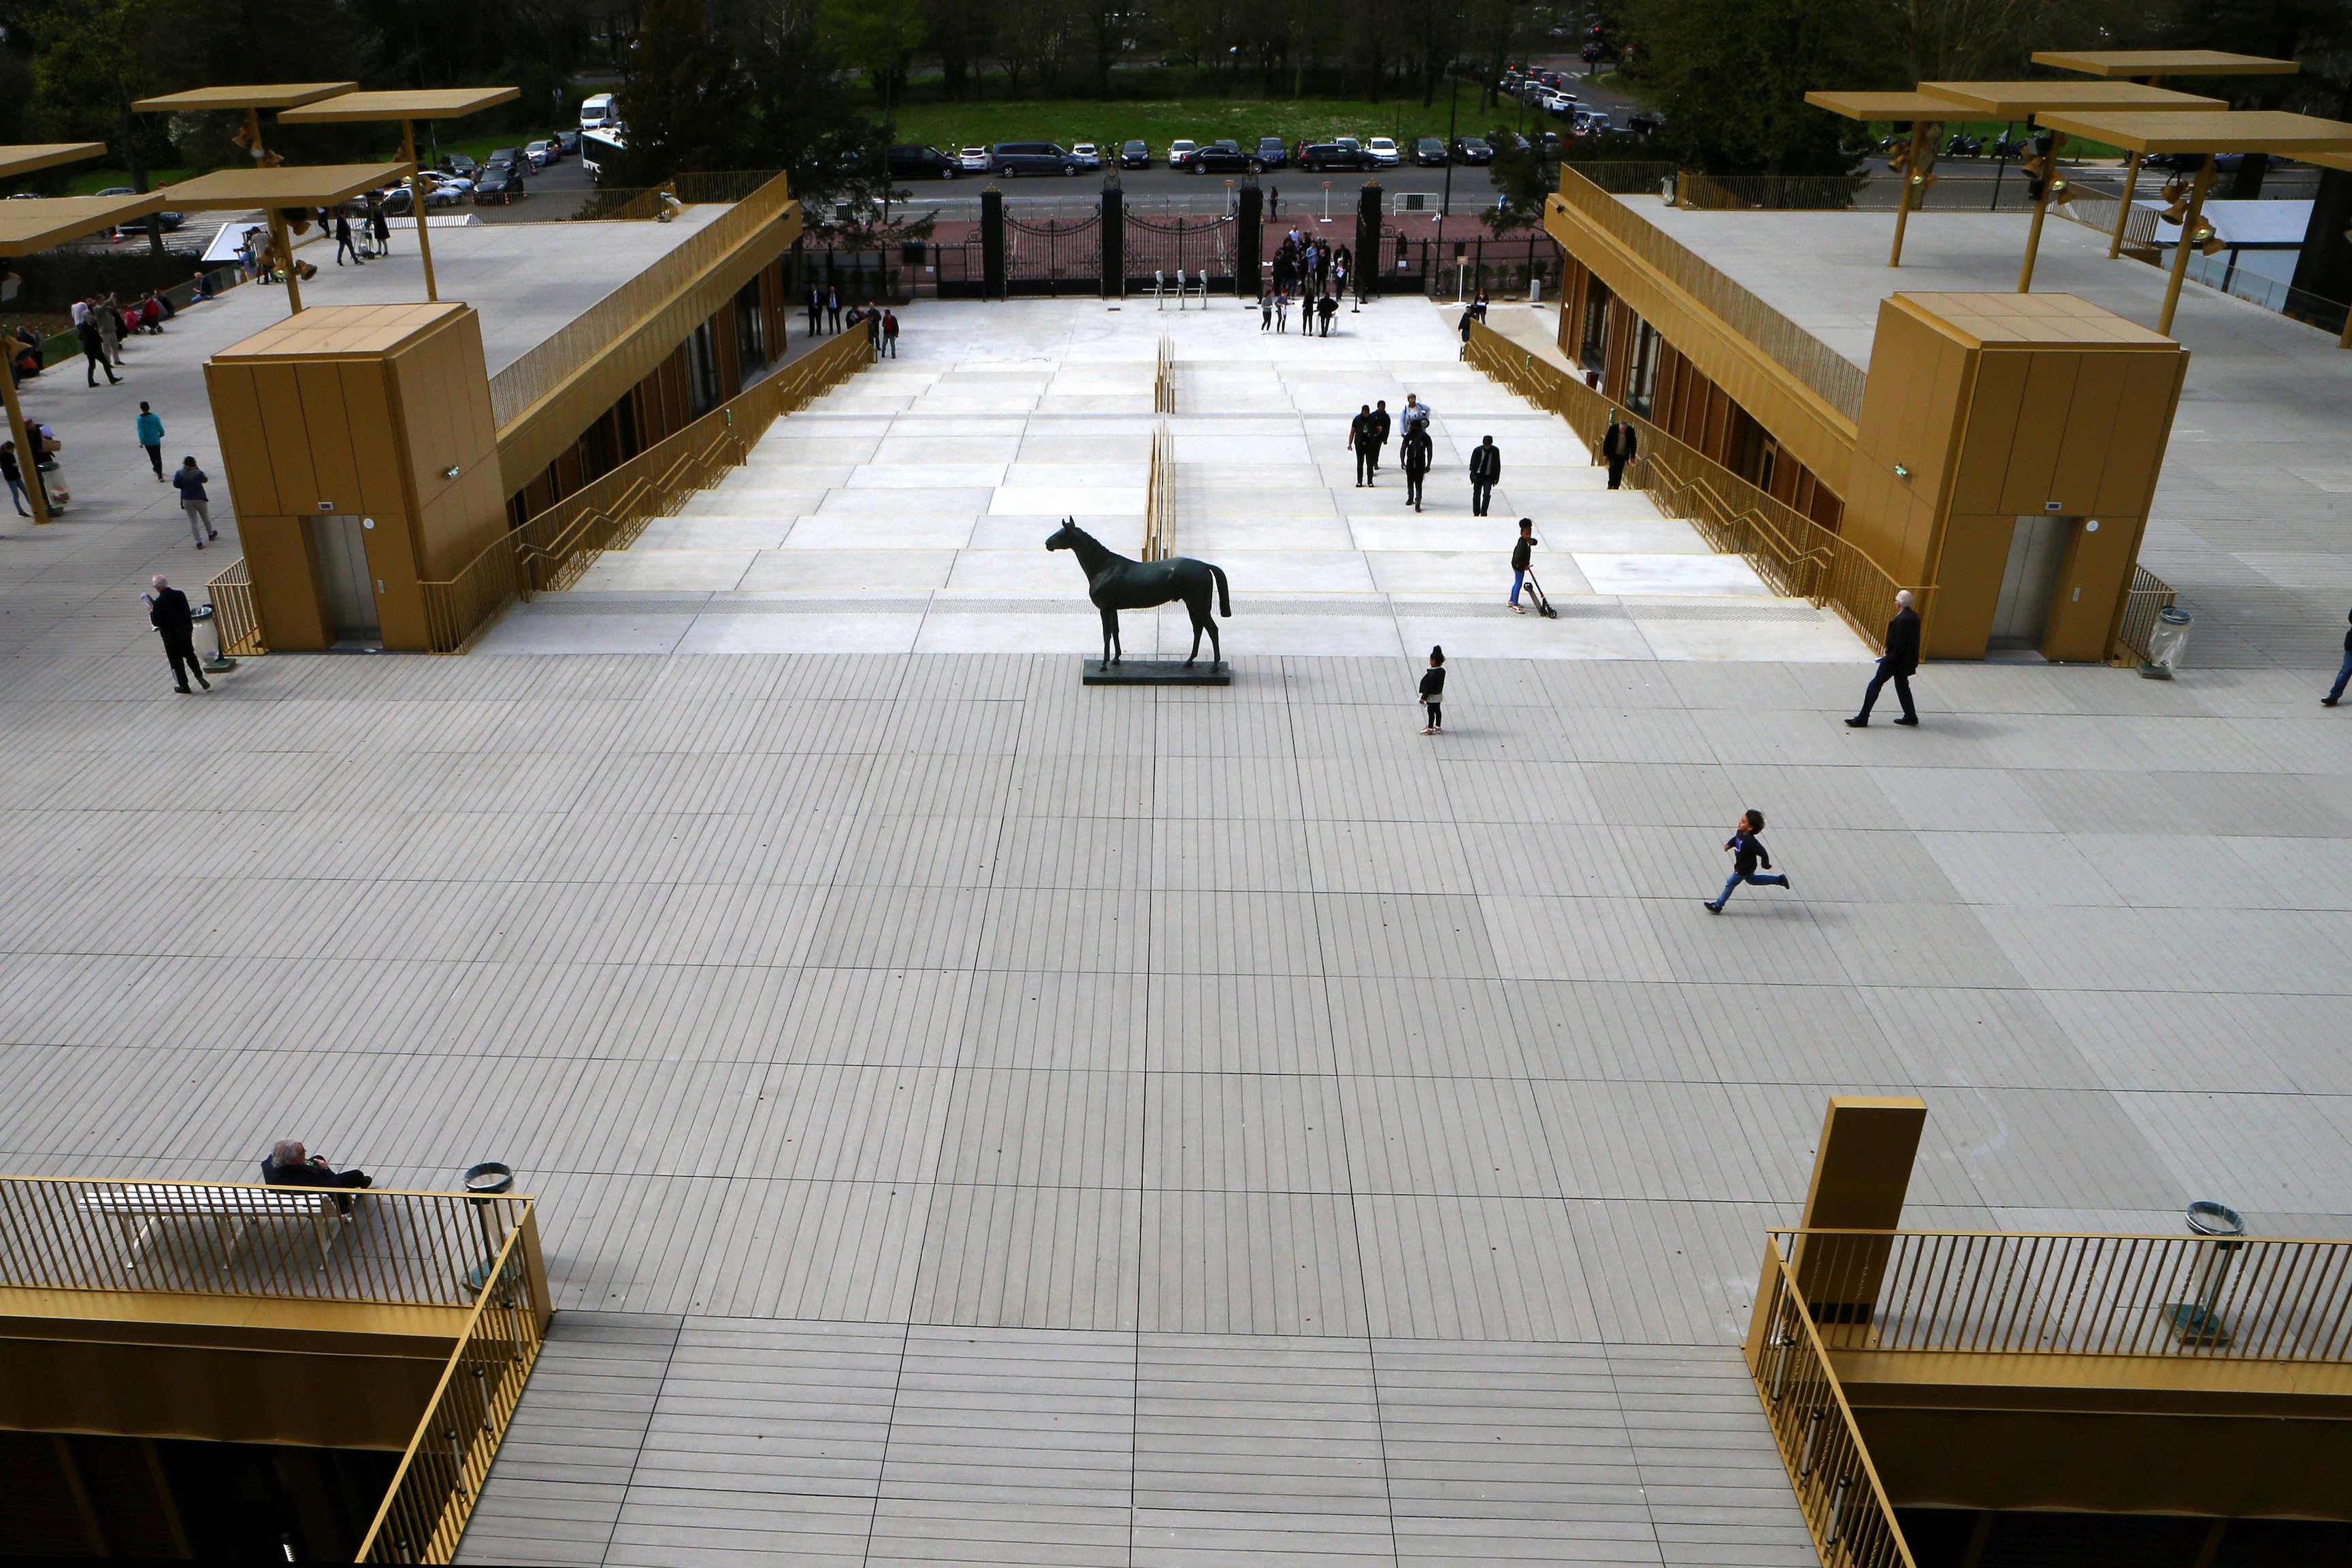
x=1311, y=272
x=374, y=234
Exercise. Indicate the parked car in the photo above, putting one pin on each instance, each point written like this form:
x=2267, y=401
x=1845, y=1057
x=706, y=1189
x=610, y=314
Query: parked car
x=1180, y=152
x=1384, y=152
x=1086, y=155
x=537, y=153
x=500, y=182
x=1271, y=153
x=446, y=190
x=1350, y=142
x=171, y=220
x=914, y=162
x=460, y=165
x=1222, y=157
x=1472, y=150
x=1135, y=156
x=553, y=146
x=973, y=159
x=1429, y=152
x=1316, y=156
x=1007, y=159
x=567, y=142
x=1646, y=122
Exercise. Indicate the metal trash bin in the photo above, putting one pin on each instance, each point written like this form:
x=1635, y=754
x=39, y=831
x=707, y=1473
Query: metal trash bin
x=2165, y=643
x=488, y=1180
x=2198, y=1322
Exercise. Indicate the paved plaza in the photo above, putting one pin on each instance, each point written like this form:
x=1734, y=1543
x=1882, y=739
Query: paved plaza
x=979, y=1119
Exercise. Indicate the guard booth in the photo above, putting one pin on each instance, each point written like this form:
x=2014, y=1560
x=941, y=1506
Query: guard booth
x=359, y=446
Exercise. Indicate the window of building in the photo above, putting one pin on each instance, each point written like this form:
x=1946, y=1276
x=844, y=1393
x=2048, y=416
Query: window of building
x=702, y=372
x=1642, y=386
x=1592, y=348
x=751, y=329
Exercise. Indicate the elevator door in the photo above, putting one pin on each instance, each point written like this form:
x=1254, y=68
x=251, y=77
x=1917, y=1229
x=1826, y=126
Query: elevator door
x=350, y=589
x=2035, y=545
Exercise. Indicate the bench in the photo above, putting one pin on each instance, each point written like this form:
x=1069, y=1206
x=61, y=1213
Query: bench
x=230, y=1210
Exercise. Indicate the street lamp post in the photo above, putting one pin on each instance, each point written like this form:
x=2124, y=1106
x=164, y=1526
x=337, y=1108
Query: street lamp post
x=1452, y=116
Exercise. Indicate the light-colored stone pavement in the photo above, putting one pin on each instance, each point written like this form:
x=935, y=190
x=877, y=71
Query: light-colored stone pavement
x=2252, y=520
x=906, y=510
x=982, y=1118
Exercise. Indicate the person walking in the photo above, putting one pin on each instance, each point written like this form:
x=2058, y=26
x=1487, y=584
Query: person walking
x=1463, y=328
x=873, y=334
x=1619, y=445
x=1328, y=307
x=816, y=311
x=343, y=246
x=151, y=436
x=15, y=474
x=381, y=226
x=1380, y=423
x=1900, y=662
x=2335, y=692
x=93, y=350
x=890, y=334
x=831, y=309
x=107, y=318
x=1281, y=311
x=168, y=612
x=1266, y=310
x=1414, y=412
x=1746, y=849
x=1414, y=455
x=189, y=481
x=1523, y=560
x=1363, y=439
x=1432, y=693
x=1273, y=203
x=1486, y=473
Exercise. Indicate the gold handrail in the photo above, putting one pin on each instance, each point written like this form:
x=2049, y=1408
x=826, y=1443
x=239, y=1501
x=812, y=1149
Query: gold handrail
x=1838, y=1489
x=2149, y=597
x=1796, y=556
x=1163, y=377
x=2011, y=1293
x=433, y=1492
x=234, y=617
x=1159, y=499
x=1836, y=379
x=553, y=547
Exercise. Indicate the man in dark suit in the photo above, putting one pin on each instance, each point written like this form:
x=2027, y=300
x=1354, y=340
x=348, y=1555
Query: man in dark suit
x=1380, y=427
x=1618, y=447
x=168, y=612
x=1364, y=441
x=1898, y=664
x=1486, y=473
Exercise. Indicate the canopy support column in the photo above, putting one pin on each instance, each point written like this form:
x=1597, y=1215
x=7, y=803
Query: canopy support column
x=2180, y=252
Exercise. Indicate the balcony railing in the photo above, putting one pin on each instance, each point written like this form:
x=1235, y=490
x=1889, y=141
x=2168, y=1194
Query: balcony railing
x=207, y=1238
x=1994, y=1293
x=1835, y=379
x=1796, y=556
x=531, y=377
x=1838, y=1490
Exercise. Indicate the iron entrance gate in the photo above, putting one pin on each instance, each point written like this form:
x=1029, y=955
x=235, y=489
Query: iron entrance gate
x=1198, y=244
x=1052, y=255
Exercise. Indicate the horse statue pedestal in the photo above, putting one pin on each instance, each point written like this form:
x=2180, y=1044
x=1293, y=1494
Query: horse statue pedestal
x=1157, y=672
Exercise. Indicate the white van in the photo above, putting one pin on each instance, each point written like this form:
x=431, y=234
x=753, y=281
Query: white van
x=596, y=112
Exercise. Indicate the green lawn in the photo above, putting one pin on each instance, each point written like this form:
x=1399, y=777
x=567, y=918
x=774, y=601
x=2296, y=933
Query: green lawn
x=950, y=126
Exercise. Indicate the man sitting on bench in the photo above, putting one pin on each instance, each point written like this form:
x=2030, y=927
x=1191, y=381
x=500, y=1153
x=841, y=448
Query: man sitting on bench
x=289, y=1166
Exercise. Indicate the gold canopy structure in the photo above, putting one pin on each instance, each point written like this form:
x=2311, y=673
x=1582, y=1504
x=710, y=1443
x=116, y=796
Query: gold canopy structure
x=1924, y=112
x=253, y=100
x=406, y=108
x=2152, y=66
x=2304, y=136
x=2035, y=102
x=40, y=223
x=26, y=157
x=274, y=190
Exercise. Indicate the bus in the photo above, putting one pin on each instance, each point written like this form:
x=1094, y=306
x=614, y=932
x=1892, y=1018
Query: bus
x=598, y=148
x=596, y=112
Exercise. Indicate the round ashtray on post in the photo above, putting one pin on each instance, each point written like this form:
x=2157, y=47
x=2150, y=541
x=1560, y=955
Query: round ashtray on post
x=220, y=659
x=2166, y=644
x=484, y=1181
x=2198, y=1322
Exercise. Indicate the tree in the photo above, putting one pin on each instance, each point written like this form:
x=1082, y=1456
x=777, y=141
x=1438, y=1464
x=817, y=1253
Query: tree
x=92, y=59
x=1732, y=75
x=1524, y=179
x=685, y=99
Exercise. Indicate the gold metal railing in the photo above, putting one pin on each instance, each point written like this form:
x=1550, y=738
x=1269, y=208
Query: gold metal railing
x=212, y=1238
x=1838, y=1490
x=1163, y=377
x=233, y=613
x=1838, y=381
x=1159, y=499
x=2003, y=1293
x=553, y=547
x=1796, y=556
x=538, y=372
x=433, y=1492
x=2149, y=596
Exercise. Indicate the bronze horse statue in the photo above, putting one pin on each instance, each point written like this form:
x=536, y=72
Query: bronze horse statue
x=1115, y=583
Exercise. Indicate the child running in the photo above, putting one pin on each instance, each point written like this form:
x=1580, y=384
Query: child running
x=1747, y=849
